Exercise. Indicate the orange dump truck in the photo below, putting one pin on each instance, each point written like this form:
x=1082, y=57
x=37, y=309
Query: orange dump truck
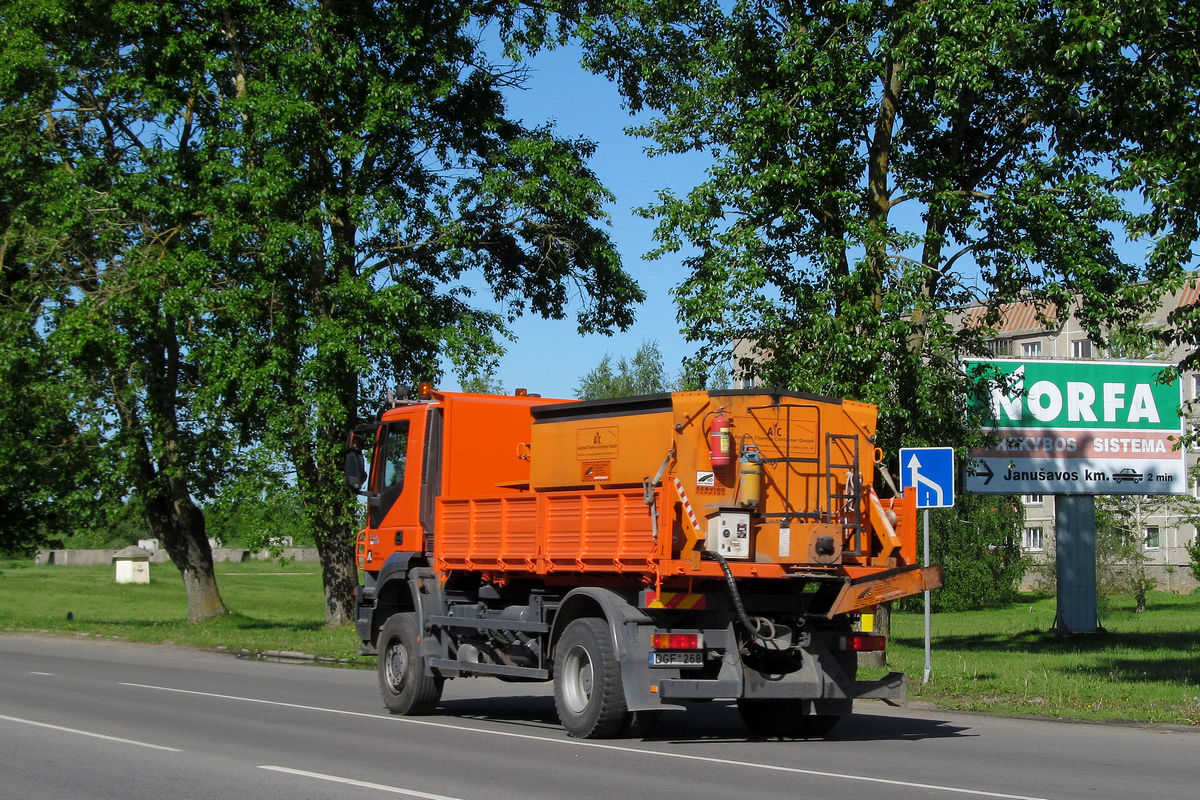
x=641, y=552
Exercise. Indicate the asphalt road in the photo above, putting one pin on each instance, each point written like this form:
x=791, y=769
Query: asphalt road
x=84, y=718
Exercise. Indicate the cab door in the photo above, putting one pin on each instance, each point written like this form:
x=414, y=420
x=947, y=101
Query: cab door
x=395, y=485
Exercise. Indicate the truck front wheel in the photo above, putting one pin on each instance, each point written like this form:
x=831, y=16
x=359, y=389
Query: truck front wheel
x=588, y=692
x=405, y=686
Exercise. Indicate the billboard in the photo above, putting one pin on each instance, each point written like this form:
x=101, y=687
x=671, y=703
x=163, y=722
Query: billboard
x=1079, y=427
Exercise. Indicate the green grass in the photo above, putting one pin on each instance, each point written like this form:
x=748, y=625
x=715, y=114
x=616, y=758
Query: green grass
x=272, y=607
x=1144, y=667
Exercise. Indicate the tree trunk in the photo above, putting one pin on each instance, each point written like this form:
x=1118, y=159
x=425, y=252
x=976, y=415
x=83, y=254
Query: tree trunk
x=180, y=527
x=204, y=598
x=176, y=521
x=1139, y=555
x=339, y=573
x=1139, y=585
x=329, y=508
x=883, y=627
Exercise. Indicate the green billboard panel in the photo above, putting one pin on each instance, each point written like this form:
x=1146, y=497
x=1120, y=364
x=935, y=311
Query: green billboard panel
x=1078, y=427
x=1086, y=395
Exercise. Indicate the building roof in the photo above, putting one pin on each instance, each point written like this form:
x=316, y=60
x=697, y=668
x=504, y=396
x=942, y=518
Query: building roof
x=1014, y=317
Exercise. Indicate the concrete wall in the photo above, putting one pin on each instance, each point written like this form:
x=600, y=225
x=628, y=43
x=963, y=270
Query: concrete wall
x=94, y=557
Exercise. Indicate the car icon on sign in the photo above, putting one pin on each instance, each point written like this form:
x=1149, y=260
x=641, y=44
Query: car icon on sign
x=1129, y=474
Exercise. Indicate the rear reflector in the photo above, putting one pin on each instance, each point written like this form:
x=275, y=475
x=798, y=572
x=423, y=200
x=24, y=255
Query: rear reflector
x=863, y=642
x=677, y=641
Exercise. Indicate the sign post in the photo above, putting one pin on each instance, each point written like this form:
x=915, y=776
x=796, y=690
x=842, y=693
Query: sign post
x=1075, y=429
x=929, y=470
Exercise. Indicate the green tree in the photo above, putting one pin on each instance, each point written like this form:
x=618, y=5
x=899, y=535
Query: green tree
x=1193, y=551
x=107, y=261
x=646, y=373
x=1122, y=525
x=642, y=374
x=249, y=515
x=242, y=221
x=978, y=544
x=869, y=160
x=377, y=169
x=43, y=469
x=1143, y=74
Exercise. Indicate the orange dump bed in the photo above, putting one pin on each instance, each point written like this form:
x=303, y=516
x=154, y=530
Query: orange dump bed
x=629, y=487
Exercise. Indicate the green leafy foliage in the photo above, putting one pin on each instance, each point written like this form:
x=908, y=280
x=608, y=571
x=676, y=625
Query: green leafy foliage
x=108, y=259
x=230, y=226
x=1193, y=551
x=1122, y=522
x=645, y=373
x=642, y=374
x=248, y=516
x=978, y=545
x=876, y=166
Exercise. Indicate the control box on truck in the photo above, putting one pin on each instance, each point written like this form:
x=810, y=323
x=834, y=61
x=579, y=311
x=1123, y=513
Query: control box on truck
x=642, y=553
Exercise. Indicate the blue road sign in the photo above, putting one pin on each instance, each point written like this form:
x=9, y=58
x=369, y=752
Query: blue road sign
x=929, y=470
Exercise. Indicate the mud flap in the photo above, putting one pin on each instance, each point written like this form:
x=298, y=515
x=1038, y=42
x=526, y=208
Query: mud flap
x=891, y=689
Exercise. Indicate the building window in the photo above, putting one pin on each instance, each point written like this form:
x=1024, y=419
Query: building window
x=1032, y=499
x=1151, y=537
x=1196, y=387
x=1031, y=349
x=1081, y=348
x=1033, y=539
x=998, y=348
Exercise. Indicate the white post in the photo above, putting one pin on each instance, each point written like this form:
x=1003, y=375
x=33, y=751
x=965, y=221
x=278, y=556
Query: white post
x=928, y=668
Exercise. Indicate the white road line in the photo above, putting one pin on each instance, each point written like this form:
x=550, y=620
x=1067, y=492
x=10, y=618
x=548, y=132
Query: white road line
x=379, y=787
x=43, y=674
x=934, y=787
x=117, y=739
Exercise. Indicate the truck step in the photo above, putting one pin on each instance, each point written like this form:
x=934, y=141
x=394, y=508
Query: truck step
x=475, y=668
x=690, y=689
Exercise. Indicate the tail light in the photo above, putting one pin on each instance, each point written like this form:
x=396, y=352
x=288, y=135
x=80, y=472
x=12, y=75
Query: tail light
x=677, y=641
x=862, y=642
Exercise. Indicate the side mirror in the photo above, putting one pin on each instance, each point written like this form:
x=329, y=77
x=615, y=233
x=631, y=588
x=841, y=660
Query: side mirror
x=356, y=470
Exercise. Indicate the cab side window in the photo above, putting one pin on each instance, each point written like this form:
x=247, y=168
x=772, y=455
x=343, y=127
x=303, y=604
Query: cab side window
x=390, y=464
x=394, y=457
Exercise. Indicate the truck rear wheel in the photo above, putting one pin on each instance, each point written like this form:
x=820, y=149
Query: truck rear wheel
x=785, y=719
x=588, y=692
x=405, y=686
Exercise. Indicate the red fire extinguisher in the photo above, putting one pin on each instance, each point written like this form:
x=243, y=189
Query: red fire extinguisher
x=720, y=442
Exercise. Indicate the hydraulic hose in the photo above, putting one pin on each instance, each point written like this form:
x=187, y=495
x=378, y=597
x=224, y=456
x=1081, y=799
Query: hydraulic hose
x=756, y=636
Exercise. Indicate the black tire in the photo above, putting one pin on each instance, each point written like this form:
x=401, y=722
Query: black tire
x=588, y=693
x=640, y=724
x=406, y=687
x=818, y=726
x=784, y=719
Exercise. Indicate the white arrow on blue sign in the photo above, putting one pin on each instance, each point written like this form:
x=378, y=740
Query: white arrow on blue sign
x=929, y=470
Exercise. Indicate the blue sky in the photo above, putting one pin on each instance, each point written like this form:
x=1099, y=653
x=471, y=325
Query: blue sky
x=549, y=357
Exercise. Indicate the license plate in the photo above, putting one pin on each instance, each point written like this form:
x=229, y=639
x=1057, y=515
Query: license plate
x=686, y=659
